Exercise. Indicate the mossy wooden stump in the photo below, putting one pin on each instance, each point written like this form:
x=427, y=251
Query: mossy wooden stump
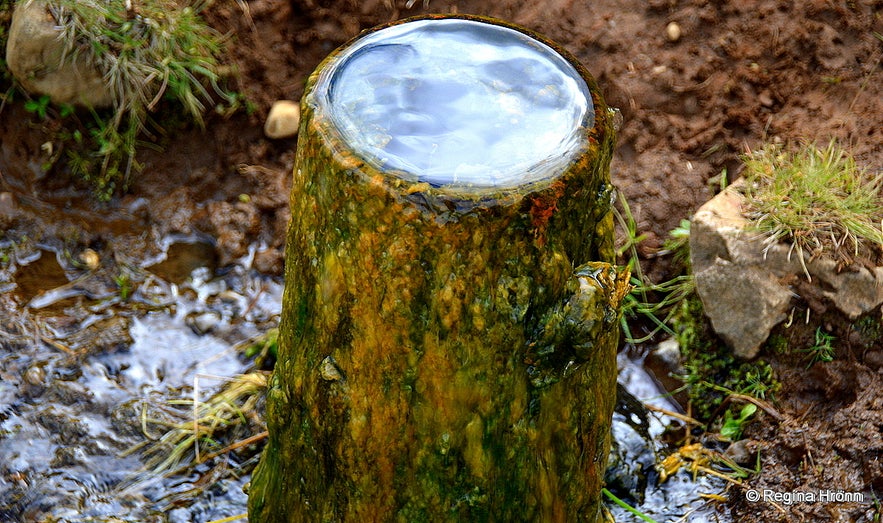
x=447, y=345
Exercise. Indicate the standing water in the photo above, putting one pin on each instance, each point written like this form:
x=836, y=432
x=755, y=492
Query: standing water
x=458, y=102
x=97, y=364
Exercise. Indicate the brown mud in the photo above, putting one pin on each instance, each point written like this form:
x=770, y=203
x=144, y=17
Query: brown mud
x=739, y=73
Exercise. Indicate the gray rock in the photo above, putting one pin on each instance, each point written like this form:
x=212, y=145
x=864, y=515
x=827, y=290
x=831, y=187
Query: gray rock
x=668, y=354
x=745, y=288
x=36, y=56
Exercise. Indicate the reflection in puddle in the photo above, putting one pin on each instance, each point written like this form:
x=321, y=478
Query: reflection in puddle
x=183, y=257
x=39, y=273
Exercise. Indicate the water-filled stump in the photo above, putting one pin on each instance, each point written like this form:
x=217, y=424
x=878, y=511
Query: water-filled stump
x=450, y=317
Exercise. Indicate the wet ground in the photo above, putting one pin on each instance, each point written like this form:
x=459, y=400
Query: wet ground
x=98, y=368
x=733, y=75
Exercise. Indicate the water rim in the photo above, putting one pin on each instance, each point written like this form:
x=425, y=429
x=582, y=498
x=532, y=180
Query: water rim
x=596, y=129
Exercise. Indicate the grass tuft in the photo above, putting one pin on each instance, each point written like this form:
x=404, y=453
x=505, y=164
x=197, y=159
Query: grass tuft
x=190, y=425
x=816, y=199
x=148, y=51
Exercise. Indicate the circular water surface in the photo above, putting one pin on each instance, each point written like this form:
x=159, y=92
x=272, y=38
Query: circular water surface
x=459, y=102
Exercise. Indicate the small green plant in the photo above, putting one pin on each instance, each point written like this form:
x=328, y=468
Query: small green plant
x=870, y=328
x=124, y=284
x=760, y=382
x=678, y=244
x=148, y=51
x=264, y=349
x=821, y=350
x=816, y=199
x=711, y=372
x=732, y=426
x=38, y=106
x=655, y=302
x=632, y=510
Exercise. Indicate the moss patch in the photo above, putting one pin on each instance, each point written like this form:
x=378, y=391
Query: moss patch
x=712, y=372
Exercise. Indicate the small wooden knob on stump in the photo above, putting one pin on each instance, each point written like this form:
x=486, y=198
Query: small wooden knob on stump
x=450, y=317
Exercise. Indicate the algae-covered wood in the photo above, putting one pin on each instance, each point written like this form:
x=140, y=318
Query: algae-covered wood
x=445, y=353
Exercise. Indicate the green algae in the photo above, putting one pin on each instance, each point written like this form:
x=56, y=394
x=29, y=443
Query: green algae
x=445, y=353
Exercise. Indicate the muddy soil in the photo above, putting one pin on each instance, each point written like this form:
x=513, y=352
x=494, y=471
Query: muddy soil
x=697, y=83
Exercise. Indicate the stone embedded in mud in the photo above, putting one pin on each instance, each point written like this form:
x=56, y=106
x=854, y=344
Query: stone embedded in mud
x=745, y=288
x=458, y=102
x=36, y=56
x=203, y=322
x=8, y=209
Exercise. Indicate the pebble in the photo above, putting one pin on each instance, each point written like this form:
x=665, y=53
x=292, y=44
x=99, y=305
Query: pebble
x=35, y=375
x=283, y=120
x=668, y=352
x=673, y=31
x=34, y=384
x=874, y=359
x=202, y=322
x=742, y=452
x=90, y=259
x=8, y=207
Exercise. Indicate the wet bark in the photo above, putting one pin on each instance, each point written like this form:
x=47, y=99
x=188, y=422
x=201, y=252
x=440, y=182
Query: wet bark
x=445, y=354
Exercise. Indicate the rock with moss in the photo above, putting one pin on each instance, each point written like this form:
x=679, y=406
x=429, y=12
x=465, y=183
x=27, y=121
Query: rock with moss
x=747, y=285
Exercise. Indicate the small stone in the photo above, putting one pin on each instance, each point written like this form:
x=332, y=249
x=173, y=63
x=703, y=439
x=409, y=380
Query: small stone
x=765, y=98
x=35, y=375
x=673, y=32
x=743, y=452
x=34, y=381
x=668, y=353
x=283, y=120
x=203, y=322
x=90, y=259
x=874, y=359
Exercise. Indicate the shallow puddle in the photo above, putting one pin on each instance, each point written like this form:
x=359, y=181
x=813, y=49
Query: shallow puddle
x=633, y=476
x=80, y=374
x=182, y=256
x=40, y=271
